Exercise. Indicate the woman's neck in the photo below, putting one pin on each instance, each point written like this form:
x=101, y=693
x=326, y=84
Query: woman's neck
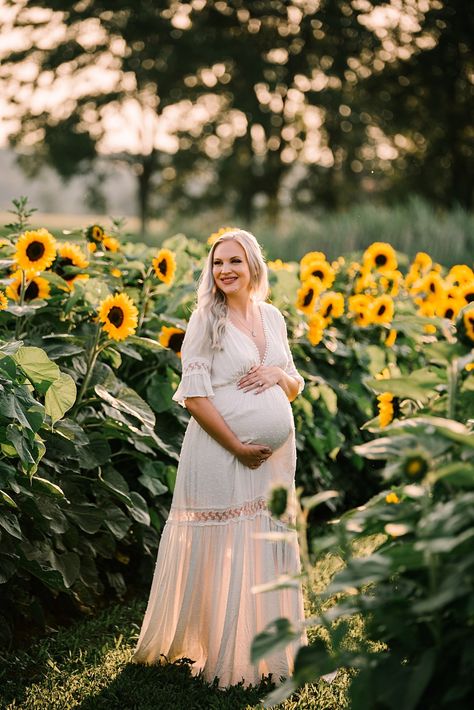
x=242, y=306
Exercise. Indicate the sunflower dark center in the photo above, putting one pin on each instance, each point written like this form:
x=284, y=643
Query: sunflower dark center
x=318, y=274
x=163, y=266
x=449, y=313
x=380, y=259
x=60, y=267
x=469, y=297
x=32, y=291
x=381, y=310
x=308, y=298
x=328, y=310
x=176, y=341
x=116, y=316
x=432, y=287
x=35, y=250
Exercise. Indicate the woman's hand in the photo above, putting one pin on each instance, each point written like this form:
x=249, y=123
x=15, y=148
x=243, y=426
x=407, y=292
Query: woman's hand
x=253, y=455
x=260, y=378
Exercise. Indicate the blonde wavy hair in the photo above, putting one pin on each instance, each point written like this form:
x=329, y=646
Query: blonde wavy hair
x=211, y=301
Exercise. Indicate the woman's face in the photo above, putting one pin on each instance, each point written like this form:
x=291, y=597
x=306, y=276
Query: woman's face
x=230, y=268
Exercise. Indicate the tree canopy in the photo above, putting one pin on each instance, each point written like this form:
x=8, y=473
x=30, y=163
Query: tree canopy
x=267, y=103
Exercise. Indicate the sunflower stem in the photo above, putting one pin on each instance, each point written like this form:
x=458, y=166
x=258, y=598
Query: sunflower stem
x=93, y=353
x=145, y=298
x=452, y=387
x=22, y=300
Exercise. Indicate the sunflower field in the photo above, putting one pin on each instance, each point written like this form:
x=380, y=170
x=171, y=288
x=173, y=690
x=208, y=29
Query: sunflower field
x=91, y=327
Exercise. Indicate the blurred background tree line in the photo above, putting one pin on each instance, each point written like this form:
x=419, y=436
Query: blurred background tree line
x=260, y=105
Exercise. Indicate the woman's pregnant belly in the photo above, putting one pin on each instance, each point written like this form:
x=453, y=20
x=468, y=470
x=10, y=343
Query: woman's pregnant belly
x=264, y=418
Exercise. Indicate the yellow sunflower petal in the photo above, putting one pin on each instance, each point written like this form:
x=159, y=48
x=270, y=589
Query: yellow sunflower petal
x=119, y=316
x=35, y=250
x=171, y=338
x=35, y=287
x=382, y=309
x=318, y=269
x=380, y=256
x=164, y=265
x=307, y=294
x=317, y=325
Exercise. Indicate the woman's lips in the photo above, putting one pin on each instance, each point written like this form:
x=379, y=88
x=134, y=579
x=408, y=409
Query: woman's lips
x=229, y=280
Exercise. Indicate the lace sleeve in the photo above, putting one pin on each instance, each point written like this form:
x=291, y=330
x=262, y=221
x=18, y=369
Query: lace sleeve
x=290, y=368
x=196, y=359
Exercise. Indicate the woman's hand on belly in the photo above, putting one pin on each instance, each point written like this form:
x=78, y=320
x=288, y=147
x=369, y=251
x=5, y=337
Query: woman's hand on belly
x=253, y=455
x=260, y=378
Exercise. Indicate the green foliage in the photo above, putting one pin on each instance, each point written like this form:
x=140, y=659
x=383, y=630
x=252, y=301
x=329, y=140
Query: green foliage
x=414, y=593
x=87, y=666
x=378, y=99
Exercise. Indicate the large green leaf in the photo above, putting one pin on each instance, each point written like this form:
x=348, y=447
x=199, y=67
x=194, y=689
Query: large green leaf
x=139, y=509
x=418, y=385
x=37, y=366
x=128, y=401
x=278, y=634
x=117, y=522
x=153, y=473
x=116, y=483
x=60, y=397
x=9, y=522
x=87, y=516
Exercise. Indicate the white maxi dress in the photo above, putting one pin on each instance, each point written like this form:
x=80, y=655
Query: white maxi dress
x=211, y=555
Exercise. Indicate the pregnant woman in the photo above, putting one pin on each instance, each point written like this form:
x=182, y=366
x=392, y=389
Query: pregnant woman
x=238, y=379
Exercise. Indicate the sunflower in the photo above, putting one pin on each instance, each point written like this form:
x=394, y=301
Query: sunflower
x=69, y=255
x=215, y=235
x=35, y=251
x=360, y=309
x=390, y=282
x=116, y=273
x=278, y=265
x=331, y=305
x=119, y=315
x=381, y=256
x=468, y=322
x=431, y=285
x=382, y=309
x=415, y=465
x=312, y=256
x=307, y=294
x=449, y=307
x=316, y=328
x=412, y=277
x=92, y=247
x=365, y=282
x=467, y=292
x=318, y=269
x=388, y=408
x=95, y=233
x=459, y=275
x=391, y=338
x=171, y=338
x=392, y=498
x=164, y=265
x=3, y=301
x=422, y=261
x=36, y=287
x=110, y=244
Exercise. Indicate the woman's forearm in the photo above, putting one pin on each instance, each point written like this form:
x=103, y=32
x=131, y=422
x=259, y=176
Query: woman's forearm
x=289, y=385
x=213, y=423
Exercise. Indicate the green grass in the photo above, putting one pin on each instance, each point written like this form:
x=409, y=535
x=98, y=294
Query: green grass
x=87, y=666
